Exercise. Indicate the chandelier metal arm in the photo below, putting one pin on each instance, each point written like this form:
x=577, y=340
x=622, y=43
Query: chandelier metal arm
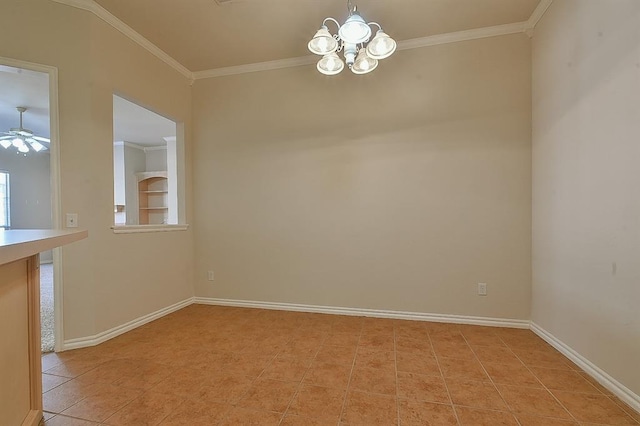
x=376, y=24
x=332, y=20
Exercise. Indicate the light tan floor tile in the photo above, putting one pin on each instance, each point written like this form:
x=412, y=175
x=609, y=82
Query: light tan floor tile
x=477, y=417
x=498, y=354
x=226, y=365
x=61, y=420
x=527, y=420
x=475, y=394
x=453, y=350
x=192, y=413
x=594, y=408
x=422, y=388
x=511, y=374
x=149, y=409
x=420, y=413
x=417, y=363
x=269, y=395
x=102, y=403
x=336, y=354
x=373, y=380
x=370, y=409
x=537, y=402
x=421, y=346
x=567, y=380
x=334, y=376
x=376, y=342
x=380, y=360
x=469, y=369
x=50, y=381
x=318, y=403
x=249, y=417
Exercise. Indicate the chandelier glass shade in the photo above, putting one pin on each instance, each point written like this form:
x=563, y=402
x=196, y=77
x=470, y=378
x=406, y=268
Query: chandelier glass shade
x=361, y=53
x=22, y=139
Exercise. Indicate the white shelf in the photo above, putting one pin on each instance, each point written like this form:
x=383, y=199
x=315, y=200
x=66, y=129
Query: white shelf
x=152, y=198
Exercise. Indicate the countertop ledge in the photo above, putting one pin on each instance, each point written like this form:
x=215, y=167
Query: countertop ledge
x=21, y=243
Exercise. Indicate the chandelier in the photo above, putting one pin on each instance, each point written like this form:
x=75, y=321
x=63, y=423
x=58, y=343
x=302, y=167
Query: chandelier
x=22, y=139
x=353, y=39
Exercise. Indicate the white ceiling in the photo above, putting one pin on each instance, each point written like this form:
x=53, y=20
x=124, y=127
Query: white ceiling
x=30, y=89
x=203, y=35
x=138, y=125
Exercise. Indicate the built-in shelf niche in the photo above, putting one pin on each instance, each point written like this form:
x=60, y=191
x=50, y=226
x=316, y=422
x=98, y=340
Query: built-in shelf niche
x=153, y=202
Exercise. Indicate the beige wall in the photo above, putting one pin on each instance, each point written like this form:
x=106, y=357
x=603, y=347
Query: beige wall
x=586, y=122
x=397, y=190
x=30, y=191
x=30, y=188
x=108, y=279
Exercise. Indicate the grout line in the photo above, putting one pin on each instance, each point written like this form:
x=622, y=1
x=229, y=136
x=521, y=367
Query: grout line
x=455, y=413
x=353, y=366
x=491, y=378
x=539, y=381
x=300, y=385
x=395, y=363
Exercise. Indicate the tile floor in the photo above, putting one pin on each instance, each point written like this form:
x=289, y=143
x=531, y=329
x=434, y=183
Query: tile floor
x=207, y=365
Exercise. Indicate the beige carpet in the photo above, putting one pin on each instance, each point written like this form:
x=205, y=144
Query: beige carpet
x=46, y=306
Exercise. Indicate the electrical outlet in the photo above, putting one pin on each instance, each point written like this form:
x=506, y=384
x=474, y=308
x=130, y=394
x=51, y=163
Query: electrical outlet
x=482, y=289
x=72, y=220
x=210, y=275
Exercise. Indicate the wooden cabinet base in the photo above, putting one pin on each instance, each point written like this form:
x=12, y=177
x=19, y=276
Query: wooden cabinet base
x=20, y=366
x=34, y=418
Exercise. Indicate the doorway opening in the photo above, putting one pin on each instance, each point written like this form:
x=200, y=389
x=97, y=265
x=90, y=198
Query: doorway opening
x=29, y=164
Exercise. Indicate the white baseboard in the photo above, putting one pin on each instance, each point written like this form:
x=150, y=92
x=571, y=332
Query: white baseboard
x=96, y=339
x=617, y=388
x=375, y=313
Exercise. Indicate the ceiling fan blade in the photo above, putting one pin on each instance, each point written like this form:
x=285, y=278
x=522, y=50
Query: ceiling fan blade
x=41, y=139
x=6, y=137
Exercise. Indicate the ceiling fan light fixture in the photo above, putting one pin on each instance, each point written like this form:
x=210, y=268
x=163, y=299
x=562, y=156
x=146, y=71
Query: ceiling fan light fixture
x=23, y=139
x=22, y=132
x=37, y=146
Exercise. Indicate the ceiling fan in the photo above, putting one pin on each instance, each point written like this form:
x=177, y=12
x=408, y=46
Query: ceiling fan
x=23, y=139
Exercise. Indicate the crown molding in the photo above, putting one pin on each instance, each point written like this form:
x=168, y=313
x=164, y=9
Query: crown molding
x=538, y=13
x=256, y=67
x=155, y=148
x=416, y=43
x=129, y=144
x=105, y=15
x=458, y=36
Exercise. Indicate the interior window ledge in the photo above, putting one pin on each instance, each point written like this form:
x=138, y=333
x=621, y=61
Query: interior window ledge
x=138, y=229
